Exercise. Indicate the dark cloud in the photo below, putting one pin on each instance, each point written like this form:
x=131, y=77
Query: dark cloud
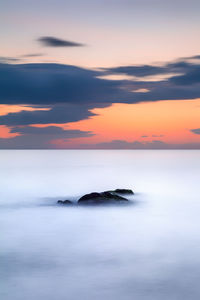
x=33, y=55
x=6, y=59
x=17, y=59
x=140, y=71
x=175, y=68
x=124, y=145
x=189, y=78
x=120, y=144
x=46, y=83
x=153, y=135
x=71, y=92
x=192, y=57
x=50, y=130
x=51, y=41
x=183, y=72
x=195, y=57
x=57, y=114
x=39, y=138
x=196, y=131
x=45, y=138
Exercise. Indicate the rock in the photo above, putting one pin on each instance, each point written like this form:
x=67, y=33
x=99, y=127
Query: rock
x=122, y=191
x=101, y=198
x=90, y=196
x=113, y=196
x=107, y=197
x=65, y=202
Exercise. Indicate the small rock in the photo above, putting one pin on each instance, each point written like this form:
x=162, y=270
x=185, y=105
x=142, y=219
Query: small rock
x=65, y=202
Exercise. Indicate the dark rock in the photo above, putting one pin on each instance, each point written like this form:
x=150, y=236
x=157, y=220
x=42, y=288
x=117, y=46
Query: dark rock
x=122, y=191
x=102, y=198
x=112, y=196
x=107, y=197
x=65, y=202
x=90, y=196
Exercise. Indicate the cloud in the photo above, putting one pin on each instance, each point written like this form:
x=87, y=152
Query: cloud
x=57, y=114
x=50, y=130
x=121, y=144
x=51, y=41
x=33, y=55
x=71, y=92
x=20, y=58
x=153, y=135
x=124, y=145
x=39, y=138
x=48, y=83
x=195, y=57
x=140, y=71
x=179, y=72
x=196, y=131
x=6, y=59
x=46, y=138
x=190, y=78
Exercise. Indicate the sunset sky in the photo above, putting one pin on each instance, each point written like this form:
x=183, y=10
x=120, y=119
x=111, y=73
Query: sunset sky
x=109, y=74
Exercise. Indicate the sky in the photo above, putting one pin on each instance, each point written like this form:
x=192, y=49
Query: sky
x=109, y=74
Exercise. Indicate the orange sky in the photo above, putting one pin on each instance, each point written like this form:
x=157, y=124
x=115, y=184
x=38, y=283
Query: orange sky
x=170, y=119
x=129, y=122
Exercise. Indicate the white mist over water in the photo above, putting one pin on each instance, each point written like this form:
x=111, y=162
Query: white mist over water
x=149, y=250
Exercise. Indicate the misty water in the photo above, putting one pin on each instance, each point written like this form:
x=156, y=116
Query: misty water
x=147, y=250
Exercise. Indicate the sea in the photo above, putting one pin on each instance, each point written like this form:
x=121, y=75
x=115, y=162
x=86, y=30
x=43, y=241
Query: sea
x=149, y=249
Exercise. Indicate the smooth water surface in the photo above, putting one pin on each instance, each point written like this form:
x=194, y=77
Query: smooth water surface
x=148, y=250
